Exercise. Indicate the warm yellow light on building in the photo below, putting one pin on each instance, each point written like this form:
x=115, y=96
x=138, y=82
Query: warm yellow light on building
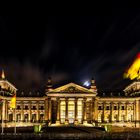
x=3, y=75
x=134, y=70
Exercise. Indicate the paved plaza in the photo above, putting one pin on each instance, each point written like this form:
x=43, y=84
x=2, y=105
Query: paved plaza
x=71, y=132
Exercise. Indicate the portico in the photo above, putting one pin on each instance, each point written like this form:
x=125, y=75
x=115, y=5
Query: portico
x=73, y=104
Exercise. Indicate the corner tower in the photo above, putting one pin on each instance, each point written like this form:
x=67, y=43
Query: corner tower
x=6, y=88
x=49, y=84
x=93, y=86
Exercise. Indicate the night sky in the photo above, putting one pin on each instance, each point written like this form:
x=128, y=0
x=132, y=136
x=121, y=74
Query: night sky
x=69, y=49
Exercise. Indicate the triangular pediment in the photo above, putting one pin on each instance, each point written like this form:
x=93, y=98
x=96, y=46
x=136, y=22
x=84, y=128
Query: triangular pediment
x=133, y=89
x=71, y=88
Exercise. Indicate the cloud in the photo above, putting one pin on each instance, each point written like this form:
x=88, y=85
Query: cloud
x=59, y=77
x=125, y=56
x=24, y=76
x=46, y=50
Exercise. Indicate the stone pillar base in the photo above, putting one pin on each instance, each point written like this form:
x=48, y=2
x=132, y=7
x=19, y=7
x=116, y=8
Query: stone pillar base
x=76, y=122
x=137, y=125
x=66, y=122
x=49, y=123
x=57, y=122
x=84, y=122
x=93, y=123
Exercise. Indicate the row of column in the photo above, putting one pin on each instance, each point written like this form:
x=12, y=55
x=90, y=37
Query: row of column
x=66, y=115
x=94, y=110
x=135, y=106
x=30, y=112
x=84, y=110
x=4, y=111
x=137, y=113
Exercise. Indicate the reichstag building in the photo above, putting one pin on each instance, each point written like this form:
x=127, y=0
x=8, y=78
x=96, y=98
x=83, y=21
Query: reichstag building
x=71, y=104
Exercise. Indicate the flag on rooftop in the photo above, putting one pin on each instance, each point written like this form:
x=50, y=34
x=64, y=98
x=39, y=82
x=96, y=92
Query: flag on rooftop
x=134, y=70
x=13, y=102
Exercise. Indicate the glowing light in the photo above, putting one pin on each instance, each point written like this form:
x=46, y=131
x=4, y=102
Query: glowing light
x=86, y=83
x=134, y=71
x=13, y=102
x=3, y=75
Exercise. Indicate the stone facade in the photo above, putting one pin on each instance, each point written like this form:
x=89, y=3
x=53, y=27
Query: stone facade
x=72, y=104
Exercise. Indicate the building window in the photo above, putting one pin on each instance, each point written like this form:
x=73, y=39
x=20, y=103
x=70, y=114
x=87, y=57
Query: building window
x=107, y=107
x=26, y=107
x=71, y=111
x=26, y=117
x=131, y=108
x=115, y=117
x=122, y=108
x=88, y=109
x=33, y=118
x=107, y=117
x=41, y=118
x=10, y=117
x=34, y=108
x=62, y=111
x=18, y=117
x=41, y=108
x=115, y=107
x=99, y=118
x=79, y=107
x=132, y=118
x=122, y=117
x=18, y=107
x=99, y=107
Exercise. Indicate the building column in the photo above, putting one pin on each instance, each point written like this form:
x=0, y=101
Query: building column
x=84, y=111
x=3, y=110
x=22, y=112
x=137, y=112
x=76, y=119
x=95, y=116
x=111, y=112
x=6, y=110
x=126, y=119
x=14, y=115
x=50, y=110
x=66, y=119
x=37, y=114
x=119, y=111
x=92, y=110
x=134, y=111
x=30, y=111
x=46, y=109
x=58, y=111
x=104, y=107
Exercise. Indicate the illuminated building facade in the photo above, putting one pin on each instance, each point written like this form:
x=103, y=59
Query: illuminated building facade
x=71, y=104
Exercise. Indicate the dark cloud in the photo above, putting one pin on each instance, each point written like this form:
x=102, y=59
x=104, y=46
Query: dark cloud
x=59, y=78
x=69, y=48
x=46, y=51
x=24, y=76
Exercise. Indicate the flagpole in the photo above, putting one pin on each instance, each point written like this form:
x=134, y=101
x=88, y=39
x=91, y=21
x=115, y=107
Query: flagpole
x=2, y=114
x=13, y=106
x=2, y=119
x=15, y=118
x=15, y=121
